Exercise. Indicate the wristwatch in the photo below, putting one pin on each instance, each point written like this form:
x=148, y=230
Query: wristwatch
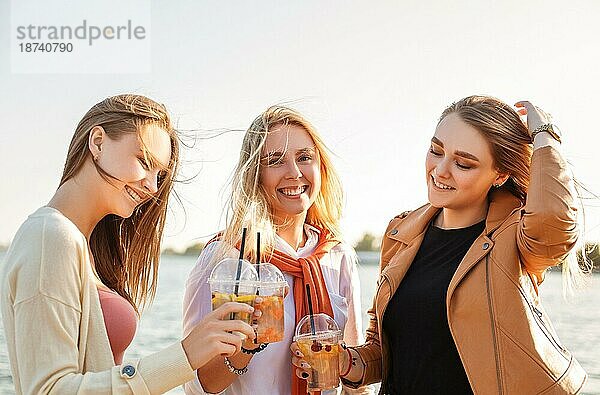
x=549, y=128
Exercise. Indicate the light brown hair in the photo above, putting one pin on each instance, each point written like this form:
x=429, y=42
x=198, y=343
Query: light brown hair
x=511, y=146
x=126, y=251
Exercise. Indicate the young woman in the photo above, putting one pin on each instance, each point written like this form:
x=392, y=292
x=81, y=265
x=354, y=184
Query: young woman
x=80, y=268
x=456, y=309
x=284, y=186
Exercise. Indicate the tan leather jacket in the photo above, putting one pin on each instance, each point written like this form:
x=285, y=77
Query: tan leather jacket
x=504, y=338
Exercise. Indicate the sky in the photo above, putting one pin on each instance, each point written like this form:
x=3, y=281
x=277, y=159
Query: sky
x=372, y=76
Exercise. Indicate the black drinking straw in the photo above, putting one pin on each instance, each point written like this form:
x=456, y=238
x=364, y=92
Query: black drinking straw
x=310, y=310
x=258, y=270
x=239, y=266
x=315, y=372
x=258, y=260
x=258, y=253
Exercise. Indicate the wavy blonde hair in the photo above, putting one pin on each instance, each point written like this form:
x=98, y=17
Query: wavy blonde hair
x=511, y=147
x=126, y=251
x=248, y=204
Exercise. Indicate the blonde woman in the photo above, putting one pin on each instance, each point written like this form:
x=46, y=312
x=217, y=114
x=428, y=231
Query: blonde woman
x=81, y=267
x=286, y=187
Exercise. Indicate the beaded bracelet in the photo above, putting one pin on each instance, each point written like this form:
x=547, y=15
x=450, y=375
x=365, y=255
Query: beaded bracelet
x=255, y=350
x=233, y=369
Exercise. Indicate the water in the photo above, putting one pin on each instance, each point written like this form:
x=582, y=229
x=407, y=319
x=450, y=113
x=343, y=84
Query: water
x=577, y=322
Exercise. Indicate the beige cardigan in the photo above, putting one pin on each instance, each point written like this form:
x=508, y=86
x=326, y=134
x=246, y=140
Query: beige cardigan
x=57, y=341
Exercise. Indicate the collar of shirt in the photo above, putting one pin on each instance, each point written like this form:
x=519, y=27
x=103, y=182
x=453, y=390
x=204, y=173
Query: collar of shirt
x=312, y=238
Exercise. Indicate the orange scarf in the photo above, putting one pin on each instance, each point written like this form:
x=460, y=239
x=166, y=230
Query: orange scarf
x=305, y=271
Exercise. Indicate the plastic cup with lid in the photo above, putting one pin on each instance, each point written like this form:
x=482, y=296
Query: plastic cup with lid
x=272, y=290
x=318, y=338
x=234, y=280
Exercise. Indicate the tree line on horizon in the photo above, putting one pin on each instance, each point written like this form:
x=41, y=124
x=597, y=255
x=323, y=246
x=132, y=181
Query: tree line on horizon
x=368, y=242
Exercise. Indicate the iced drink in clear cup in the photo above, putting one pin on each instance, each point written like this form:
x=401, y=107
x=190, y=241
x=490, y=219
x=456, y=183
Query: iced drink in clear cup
x=272, y=290
x=227, y=286
x=320, y=349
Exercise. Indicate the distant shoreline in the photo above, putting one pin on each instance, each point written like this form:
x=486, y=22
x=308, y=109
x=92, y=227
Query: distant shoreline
x=364, y=257
x=367, y=258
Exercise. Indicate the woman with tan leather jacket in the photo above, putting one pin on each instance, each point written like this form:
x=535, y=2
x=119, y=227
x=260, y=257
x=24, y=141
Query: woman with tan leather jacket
x=457, y=308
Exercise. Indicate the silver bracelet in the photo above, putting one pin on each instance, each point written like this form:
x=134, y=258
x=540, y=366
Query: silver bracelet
x=233, y=369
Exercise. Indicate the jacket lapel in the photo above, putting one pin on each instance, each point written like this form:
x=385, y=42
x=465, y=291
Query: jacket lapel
x=399, y=264
x=410, y=231
x=478, y=250
x=502, y=204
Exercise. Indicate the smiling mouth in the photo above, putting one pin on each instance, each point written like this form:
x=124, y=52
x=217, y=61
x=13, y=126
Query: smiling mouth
x=133, y=194
x=293, y=191
x=440, y=185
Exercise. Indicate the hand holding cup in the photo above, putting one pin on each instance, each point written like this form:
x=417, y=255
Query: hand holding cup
x=217, y=335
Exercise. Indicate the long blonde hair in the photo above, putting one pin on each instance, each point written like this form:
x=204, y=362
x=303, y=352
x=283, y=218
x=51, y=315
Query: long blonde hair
x=126, y=251
x=511, y=147
x=248, y=205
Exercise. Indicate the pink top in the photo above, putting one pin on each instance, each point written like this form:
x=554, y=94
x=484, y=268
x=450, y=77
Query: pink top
x=120, y=320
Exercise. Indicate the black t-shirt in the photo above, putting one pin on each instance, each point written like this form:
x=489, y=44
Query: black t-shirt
x=424, y=359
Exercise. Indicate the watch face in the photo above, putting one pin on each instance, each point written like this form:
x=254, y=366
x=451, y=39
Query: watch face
x=556, y=130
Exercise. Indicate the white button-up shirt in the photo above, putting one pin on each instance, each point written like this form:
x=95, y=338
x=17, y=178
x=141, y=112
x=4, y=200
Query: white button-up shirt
x=270, y=371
